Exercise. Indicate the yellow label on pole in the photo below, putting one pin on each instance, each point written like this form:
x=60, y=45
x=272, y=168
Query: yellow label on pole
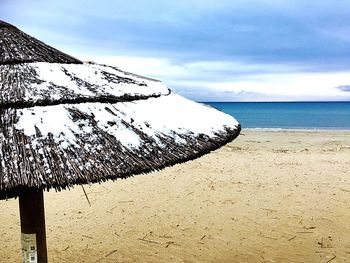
x=29, y=249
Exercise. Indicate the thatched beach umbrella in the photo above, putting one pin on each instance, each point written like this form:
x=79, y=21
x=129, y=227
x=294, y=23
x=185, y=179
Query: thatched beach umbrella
x=65, y=122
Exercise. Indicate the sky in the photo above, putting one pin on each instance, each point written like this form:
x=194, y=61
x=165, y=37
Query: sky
x=205, y=50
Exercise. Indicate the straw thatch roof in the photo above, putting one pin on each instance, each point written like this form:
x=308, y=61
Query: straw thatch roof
x=64, y=122
x=18, y=47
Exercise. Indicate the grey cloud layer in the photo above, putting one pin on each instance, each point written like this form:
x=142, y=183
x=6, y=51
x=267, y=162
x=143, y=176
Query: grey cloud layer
x=264, y=31
x=302, y=36
x=345, y=88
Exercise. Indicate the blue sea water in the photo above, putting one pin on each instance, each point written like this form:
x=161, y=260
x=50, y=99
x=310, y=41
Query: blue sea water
x=289, y=115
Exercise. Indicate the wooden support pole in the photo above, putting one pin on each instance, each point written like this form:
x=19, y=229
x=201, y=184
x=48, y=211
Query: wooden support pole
x=33, y=234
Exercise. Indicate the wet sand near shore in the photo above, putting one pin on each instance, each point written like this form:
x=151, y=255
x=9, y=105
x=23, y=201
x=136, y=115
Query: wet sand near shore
x=269, y=196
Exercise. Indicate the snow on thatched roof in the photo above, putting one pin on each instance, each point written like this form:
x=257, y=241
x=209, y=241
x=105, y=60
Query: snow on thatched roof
x=64, y=124
x=41, y=84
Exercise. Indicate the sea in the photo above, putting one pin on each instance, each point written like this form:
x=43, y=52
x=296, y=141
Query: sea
x=288, y=115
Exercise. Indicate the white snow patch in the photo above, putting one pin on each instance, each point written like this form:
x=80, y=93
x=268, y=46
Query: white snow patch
x=111, y=124
x=170, y=115
x=51, y=73
x=53, y=119
x=174, y=113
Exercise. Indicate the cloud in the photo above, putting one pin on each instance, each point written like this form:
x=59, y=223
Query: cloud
x=237, y=50
x=236, y=81
x=204, y=70
x=207, y=95
x=257, y=31
x=345, y=88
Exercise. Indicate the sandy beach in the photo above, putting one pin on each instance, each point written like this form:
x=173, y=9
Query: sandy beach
x=269, y=196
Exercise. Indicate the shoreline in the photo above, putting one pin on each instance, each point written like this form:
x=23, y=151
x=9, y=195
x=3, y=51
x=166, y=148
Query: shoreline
x=268, y=196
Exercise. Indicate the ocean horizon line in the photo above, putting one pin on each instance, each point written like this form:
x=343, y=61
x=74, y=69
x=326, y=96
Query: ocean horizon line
x=322, y=129
x=296, y=101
